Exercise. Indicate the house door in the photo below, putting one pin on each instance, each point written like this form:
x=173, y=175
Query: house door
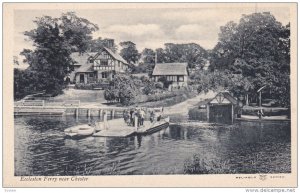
x=81, y=78
x=220, y=113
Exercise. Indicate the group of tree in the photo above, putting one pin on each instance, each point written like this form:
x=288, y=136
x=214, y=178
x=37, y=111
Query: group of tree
x=99, y=43
x=54, y=39
x=129, y=52
x=250, y=54
x=191, y=53
x=256, y=51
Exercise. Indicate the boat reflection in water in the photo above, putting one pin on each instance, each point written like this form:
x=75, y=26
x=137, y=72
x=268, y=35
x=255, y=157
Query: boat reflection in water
x=249, y=147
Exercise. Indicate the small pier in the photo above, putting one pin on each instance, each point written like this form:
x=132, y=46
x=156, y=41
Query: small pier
x=118, y=128
x=66, y=108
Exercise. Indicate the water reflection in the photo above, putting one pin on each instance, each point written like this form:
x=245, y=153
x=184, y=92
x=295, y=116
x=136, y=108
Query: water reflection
x=249, y=147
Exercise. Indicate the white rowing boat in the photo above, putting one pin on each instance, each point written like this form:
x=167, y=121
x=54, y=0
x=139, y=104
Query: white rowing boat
x=79, y=131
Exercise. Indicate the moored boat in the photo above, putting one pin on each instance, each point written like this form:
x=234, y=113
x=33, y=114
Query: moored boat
x=79, y=131
x=156, y=126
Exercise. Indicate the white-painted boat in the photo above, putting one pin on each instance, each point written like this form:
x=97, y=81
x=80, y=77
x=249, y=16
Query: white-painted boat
x=79, y=131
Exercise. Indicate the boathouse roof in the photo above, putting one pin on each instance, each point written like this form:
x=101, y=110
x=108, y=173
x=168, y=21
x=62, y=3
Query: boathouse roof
x=223, y=97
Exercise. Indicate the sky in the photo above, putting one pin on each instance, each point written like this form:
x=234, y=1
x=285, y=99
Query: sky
x=149, y=28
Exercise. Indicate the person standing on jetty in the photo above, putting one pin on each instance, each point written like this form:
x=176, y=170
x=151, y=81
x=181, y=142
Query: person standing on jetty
x=142, y=117
x=128, y=118
x=153, y=116
x=131, y=117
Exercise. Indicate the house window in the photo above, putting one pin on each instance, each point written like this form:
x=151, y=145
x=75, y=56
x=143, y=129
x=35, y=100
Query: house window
x=172, y=78
x=91, y=75
x=104, y=62
x=180, y=78
x=104, y=74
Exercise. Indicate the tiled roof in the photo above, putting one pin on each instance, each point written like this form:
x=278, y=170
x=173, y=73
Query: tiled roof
x=82, y=58
x=85, y=68
x=226, y=95
x=115, y=55
x=170, y=69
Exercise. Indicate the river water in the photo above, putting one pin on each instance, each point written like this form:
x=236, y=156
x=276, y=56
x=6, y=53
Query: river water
x=244, y=147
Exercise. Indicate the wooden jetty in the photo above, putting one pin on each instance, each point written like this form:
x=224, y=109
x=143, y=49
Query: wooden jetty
x=39, y=111
x=67, y=108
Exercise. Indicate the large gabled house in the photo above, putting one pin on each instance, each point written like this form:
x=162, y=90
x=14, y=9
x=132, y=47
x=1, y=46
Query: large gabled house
x=176, y=73
x=97, y=66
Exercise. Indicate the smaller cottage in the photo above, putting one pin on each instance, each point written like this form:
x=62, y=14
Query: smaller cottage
x=176, y=73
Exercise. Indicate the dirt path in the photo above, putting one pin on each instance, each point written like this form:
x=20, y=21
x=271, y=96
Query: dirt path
x=183, y=107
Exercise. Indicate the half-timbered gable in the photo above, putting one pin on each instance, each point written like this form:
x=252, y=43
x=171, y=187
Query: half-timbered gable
x=103, y=65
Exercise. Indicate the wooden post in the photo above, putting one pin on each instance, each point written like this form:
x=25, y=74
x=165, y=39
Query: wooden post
x=260, y=99
x=136, y=122
x=232, y=113
x=105, y=120
x=76, y=113
x=89, y=113
x=207, y=112
x=113, y=114
x=247, y=100
x=100, y=113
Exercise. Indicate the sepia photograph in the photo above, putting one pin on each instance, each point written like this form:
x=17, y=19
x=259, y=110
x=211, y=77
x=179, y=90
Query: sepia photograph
x=111, y=90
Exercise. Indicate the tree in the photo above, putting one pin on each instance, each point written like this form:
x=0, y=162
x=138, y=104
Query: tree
x=16, y=60
x=54, y=40
x=124, y=88
x=148, y=56
x=148, y=62
x=191, y=53
x=161, y=55
x=129, y=52
x=257, y=48
x=99, y=43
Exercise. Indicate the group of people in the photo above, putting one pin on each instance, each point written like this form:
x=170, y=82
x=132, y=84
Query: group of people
x=139, y=115
x=260, y=113
x=131, y=115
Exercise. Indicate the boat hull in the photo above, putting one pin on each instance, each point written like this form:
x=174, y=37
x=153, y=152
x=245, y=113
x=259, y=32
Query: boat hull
x=79, y=132
x=156, y=128
x=159, y=126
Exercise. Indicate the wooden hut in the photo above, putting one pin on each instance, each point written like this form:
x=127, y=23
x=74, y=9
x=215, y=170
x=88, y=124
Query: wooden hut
x=221, y=109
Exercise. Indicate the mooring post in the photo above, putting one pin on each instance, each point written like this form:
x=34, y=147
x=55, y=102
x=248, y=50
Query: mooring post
x=100, y=113
x=232, y=113
x=76, y=113
x=135, y=122
x=89, y=113
x=207, y=112
x=105, y=120
x=113, y=114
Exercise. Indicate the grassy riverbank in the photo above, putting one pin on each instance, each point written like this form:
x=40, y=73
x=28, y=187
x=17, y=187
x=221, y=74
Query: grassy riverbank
x=171, y=99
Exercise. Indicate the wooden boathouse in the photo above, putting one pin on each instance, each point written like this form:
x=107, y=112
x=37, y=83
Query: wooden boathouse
x=223, y=108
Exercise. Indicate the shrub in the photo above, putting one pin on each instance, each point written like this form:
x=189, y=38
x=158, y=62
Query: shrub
x=198, y=165
x=165, y=81
x=159, y=85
